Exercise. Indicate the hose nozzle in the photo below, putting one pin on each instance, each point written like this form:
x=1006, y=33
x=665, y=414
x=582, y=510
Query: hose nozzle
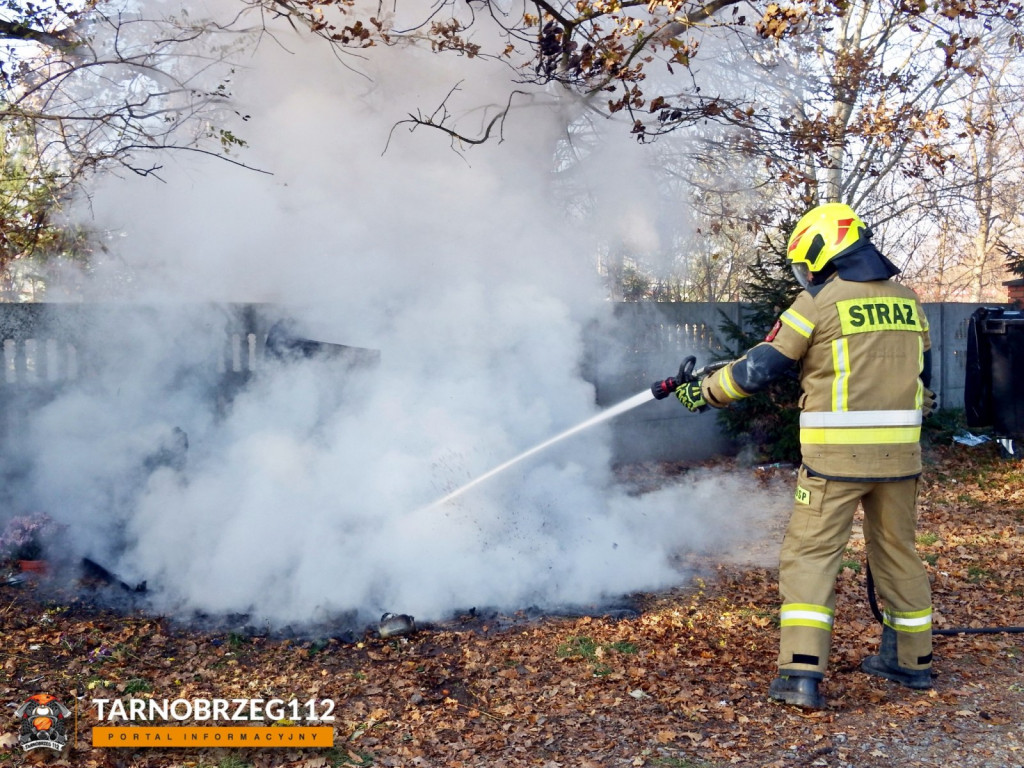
x=665, y=387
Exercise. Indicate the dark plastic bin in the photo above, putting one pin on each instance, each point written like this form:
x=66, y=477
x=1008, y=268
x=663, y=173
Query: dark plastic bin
x=994, y=383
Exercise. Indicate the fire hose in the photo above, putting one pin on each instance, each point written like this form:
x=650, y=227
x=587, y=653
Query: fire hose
x=877, y=613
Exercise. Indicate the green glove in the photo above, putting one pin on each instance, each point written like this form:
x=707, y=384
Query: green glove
x=689, y=394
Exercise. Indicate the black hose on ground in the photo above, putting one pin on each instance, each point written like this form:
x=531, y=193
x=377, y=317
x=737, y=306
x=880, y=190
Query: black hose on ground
x=877, y=613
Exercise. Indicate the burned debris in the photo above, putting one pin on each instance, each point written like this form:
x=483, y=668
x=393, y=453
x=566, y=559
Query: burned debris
x=94, y=574
x=137, y=355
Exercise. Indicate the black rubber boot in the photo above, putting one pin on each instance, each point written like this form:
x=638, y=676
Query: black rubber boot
x=798, y=691
x=886, y=664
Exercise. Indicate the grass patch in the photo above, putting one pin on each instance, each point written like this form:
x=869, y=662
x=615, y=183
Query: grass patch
x=236, y=640
x=927, y=538
x=585, y=647
x=233, y=762
x=137, y=685
x=588, y=649
x=317, y=646
x=679, y=762
x=976, y=575
x=622, y=646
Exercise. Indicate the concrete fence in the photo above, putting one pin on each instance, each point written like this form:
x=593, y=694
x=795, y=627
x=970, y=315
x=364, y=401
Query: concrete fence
x=647, y=341
x=46, y=346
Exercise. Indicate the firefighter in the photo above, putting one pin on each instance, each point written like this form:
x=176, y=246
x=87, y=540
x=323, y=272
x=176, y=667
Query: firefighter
x=861, y=344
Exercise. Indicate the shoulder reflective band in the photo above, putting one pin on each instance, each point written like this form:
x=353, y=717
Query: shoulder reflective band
x=860, y=427
x=806, y=615
x=797, y=322
x=909, y=621
x=881, y=313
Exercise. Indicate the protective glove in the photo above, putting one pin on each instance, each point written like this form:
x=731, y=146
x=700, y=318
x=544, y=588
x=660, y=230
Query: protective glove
x=689, y=394
x=929, y=403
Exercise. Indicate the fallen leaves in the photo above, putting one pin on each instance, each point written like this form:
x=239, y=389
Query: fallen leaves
x=682, y=682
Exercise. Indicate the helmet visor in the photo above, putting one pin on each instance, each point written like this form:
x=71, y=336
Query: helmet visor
x=802, y=274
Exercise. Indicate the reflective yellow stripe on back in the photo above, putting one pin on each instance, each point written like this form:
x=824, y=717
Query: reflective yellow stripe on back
x=859, y=435
x=841, y=368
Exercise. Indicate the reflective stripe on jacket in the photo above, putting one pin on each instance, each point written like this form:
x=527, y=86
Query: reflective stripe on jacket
x=861, y=350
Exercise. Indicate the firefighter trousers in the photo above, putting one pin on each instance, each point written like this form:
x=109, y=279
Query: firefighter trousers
x=812, y=551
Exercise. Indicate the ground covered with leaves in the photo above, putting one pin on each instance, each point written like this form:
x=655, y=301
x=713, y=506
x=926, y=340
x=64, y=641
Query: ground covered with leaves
x=679, y=682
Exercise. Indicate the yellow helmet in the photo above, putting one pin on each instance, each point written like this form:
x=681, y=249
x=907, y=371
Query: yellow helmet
x=822, y=234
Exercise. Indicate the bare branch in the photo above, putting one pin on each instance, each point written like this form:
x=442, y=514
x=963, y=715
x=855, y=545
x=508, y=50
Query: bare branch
x=440, y=120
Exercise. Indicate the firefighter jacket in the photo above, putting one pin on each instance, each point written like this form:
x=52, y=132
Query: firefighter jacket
x=861, y=349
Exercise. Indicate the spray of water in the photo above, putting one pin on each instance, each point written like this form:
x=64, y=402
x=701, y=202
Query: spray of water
x=303, y=499
x=605, y=415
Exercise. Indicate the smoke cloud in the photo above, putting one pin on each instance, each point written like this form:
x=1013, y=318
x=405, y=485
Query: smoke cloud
x=307, y=496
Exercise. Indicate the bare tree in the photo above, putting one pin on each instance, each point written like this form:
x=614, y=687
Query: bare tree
x=866, y=107
x=991, y=170
x=99, y=86
x=832, y=101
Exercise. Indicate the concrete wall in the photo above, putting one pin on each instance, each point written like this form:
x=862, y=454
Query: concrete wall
x=43, y=347
x=649, y=340
x=949, y=323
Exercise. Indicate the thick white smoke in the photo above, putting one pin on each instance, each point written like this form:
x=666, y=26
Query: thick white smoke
x=308, y=495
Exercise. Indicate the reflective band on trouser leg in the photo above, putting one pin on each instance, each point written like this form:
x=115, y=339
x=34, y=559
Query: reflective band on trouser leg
x=806, y=636
x=812, y=549
x=901, y=580
x=804, y=615
x=913, y=637
x=909, y=621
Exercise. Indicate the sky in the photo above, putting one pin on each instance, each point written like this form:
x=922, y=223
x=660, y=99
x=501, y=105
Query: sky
x=308, y=497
